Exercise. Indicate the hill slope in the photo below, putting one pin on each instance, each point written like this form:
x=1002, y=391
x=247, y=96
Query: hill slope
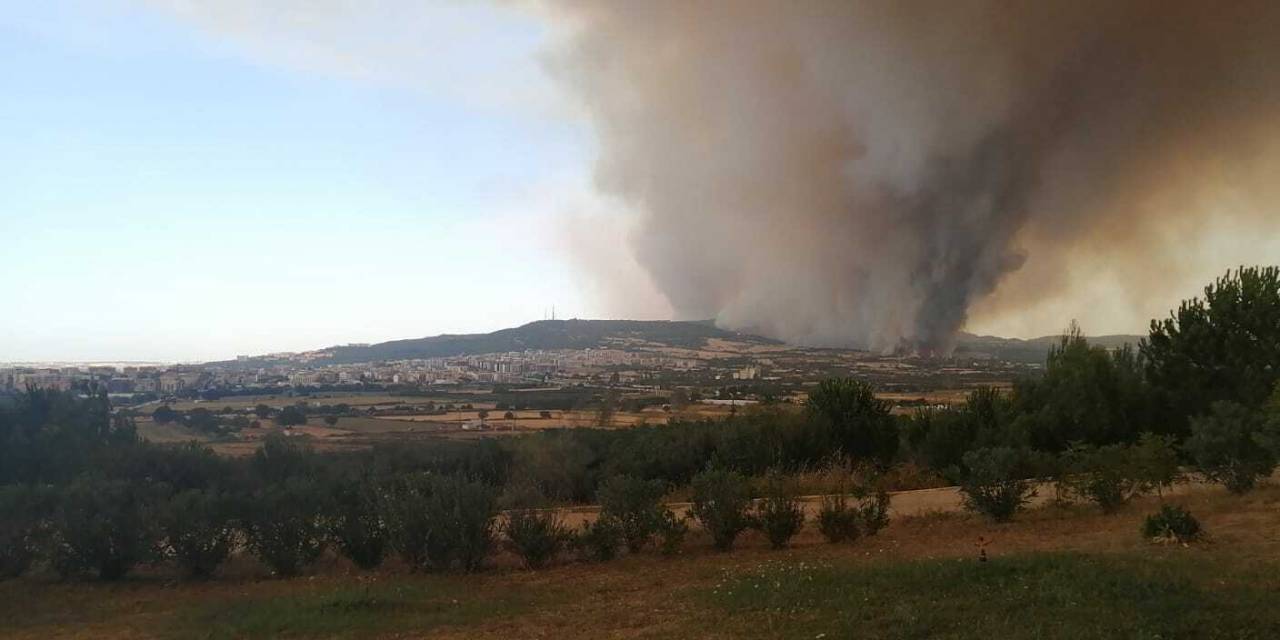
x=1030, y=350
x=543, y=334
x=584, y=334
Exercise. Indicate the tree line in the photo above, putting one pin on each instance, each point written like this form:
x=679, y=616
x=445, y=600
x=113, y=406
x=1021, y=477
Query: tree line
x=83, y=493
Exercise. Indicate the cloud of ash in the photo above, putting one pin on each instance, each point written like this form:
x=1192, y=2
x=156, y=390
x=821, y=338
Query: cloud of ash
x=865, y=173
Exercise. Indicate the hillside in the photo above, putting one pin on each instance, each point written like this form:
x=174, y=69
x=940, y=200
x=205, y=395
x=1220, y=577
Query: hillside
x=584, y=334
x=543, y=334
x=1030, y=350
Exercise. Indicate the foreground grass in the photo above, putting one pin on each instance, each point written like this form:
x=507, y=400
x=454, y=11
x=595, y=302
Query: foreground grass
x=1054, y=573
x=1037, y=595
x=347, y=611
x=344, y=607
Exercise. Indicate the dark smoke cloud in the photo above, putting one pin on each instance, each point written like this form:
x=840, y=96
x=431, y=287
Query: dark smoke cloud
x=864, y=172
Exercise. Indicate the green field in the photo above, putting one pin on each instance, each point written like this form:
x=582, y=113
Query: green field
x=1035, y=595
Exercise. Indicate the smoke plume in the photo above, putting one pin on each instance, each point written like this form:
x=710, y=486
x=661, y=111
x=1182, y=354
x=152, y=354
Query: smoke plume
x=863, y=173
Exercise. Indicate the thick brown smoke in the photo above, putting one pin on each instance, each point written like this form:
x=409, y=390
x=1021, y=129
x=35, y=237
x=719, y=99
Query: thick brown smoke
x=863, y=172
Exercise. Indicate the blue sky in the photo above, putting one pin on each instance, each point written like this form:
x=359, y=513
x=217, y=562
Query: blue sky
x=185, y=183
x=192, y=180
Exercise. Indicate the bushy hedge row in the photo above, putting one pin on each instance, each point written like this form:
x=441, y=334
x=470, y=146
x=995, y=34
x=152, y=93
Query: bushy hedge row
x=105, y=527
x=292, y=508
x=436, y=507
x=1232, y=446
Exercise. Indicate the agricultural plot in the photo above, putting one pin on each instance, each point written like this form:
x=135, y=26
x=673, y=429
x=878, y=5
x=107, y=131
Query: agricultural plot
x=362, y=431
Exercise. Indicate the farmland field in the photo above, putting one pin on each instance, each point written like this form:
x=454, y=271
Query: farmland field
x=379, y=417
x=389, y=424
x=278, y=400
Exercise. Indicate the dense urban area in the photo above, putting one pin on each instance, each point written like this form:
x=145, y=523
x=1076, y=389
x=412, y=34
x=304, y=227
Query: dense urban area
x=651, y=367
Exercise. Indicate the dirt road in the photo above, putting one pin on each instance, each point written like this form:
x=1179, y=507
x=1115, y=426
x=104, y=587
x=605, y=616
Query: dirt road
x=902, y=503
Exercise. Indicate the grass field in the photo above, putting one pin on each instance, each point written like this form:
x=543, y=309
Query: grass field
x=167, y=433
x=1057, y=572
x=1034, y=595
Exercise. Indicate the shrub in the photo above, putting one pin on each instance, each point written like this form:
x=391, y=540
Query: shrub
x=281, y=457
x=635, y=504
x=1228, y=446
x=859, y=422
x=413, y=532
x=558, y=463
x=284, y=525
x=521, y=494
x=1107, y=476
x=837, y=520
x=357, y=524
x=873, y=509
x=1087, y=394
x=102, y=526
x=290, y=416
x=600, y=539
x=1172, y=524
x=1270, y=438
x=994, y=482
x=779, y=515
x=536, y=535
x=939, y=438
x=441, y=521
x=1155, y=462
x=20, y=528
x=468, y=510
x=671, y=532
x=164, y=414
x=198, y=531
x=720, y=502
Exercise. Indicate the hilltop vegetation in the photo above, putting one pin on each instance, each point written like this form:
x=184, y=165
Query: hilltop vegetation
x=541, y=335
x=593, y=334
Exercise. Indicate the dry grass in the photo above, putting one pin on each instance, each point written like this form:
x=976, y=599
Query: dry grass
x=362, y=432
x=167, y=433
x=643, y=596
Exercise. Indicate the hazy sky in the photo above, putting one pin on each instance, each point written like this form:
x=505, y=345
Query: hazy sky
x=190, y=180
x=176, y=184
